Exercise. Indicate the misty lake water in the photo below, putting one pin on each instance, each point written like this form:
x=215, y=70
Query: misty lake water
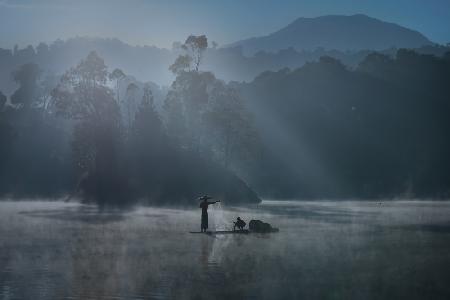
x=324, y=250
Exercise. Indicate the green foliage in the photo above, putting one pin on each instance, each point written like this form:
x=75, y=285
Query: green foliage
x=6, y=137
x=194, y=47
x=90, y=71
x=182, y=64
x=2, y=101
x=323, y=130
x=207, y=116
x=27, y=77
x=82, y=93
x=76, y=144
x=231, y=134
x=378, y=131
x=147, y=126
x=117, y=75
x=83, y=96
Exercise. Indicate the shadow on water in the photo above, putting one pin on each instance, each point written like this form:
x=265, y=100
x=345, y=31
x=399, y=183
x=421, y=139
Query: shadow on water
x=443, y=228
x=318, y=213
x=85, y=214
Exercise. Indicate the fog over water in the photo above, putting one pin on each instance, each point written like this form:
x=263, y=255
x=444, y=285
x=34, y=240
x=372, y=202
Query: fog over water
x=324, y=250
x=203, y=150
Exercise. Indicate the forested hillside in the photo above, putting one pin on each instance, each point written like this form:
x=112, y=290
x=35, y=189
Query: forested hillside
x=97, y=135
x=380, y=130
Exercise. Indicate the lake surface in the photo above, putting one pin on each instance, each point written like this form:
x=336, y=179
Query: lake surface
x=324, y=250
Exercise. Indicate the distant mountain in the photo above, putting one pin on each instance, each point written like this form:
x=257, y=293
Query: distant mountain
x=356, y=32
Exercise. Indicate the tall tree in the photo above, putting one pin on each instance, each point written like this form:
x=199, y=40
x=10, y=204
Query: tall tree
x=147, y=123
x=148, y=141
x=175, y=118
x=6, y=137
x=230, y=131
x=27, y=77
x=189, y=96
x=181, y=64
x=208, y=113
x=131, y=94
x=196, y=45
x=117, y=75
x=82, y=95
x=2, y=101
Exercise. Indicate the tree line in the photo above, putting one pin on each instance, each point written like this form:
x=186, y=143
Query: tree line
x=94, y=138
x=324, y=130
x=378, y=130
x=150, y=63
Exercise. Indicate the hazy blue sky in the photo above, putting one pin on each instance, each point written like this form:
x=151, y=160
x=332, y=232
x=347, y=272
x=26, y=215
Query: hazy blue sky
x=148, y=22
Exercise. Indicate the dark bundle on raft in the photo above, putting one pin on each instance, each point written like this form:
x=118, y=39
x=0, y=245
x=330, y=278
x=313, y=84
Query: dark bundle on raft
x=261, y=227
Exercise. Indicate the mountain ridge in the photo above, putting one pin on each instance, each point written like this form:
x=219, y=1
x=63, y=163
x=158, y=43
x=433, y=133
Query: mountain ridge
x=335, y=32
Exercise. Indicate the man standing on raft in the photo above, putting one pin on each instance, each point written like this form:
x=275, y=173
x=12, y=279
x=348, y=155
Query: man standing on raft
x=204, y=206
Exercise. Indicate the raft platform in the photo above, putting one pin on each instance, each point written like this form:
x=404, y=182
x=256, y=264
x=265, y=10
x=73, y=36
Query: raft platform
x=245, y=231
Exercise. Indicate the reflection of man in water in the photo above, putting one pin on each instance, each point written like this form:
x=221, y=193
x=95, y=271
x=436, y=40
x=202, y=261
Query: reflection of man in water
x=204, y=206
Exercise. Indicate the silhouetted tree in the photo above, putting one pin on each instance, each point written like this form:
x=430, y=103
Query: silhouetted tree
x=132, y=90
x=6, y=135
x=27, y=77
x=38, y=138
x=147, y=124
x=47, y=84
x=209, y=114
x=148, y=144
x=6, y=139
x=374, y=62
x=3, y=100
x=447, y=56
x=83, y=96
x=189, y=97
x=181, y=64
x=86, y=149
x=175, y=118
x=42, y=49
x=196, y=45
x=231, y=131
x=117, y=75
x=377, y=131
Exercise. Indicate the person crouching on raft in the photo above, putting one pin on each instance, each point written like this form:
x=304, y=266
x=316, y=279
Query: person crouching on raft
x=204, y=206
